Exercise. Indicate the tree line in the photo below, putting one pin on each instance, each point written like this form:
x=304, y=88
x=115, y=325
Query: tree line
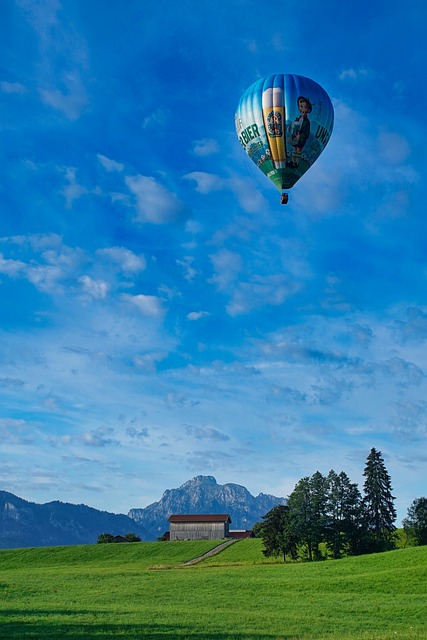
x=329, y=516
x=108, y=538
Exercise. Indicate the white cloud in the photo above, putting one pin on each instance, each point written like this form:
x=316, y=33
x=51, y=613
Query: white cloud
x=190, y=272
x=73, y=190
x=68, y=260
x=37, y=241
x=202, y=433
x=354, y=74
x=197, y=315
x=155, y=203
x=48, y=262
x=99, y=437
x=243, y=189
x=71, y=103
x=45, y=278
x=12, y=87
x=205, y=147
x=128, y=261
x=97, y=289
x=158, y=117
x=271, y=290
x=41, y=15
x=11, y=268
x=393, y=148
x=13, y=431
x=58, y=40
x=227, y=266
x=250, y=199
x=148, y=361
x=110, y=165
x=148, y=305
x=206, y=182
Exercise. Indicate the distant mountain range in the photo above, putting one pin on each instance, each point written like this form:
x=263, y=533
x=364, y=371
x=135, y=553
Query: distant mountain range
x=27, y=524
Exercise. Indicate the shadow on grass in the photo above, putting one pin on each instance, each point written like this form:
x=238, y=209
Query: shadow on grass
x=15, y=627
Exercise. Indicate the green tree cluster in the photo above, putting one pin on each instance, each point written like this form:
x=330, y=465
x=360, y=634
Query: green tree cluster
x=108, y=538
x=415, y=523
x=329, y=514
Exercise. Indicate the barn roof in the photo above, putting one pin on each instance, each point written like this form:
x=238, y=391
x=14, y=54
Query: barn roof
x=120, y=539
x=238, y=534
x=201, y=517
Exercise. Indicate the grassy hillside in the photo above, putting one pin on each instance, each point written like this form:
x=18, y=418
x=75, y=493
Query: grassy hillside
x=110, y=591
x=247, y=551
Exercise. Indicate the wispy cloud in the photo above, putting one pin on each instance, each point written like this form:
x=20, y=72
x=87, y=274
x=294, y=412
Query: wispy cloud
x=127, y=261
x=148, y=305
x=352, y=73
x=155, y=203
x=197, y=315
x=202, y=433
x=110, y=165
x=205, y=147
x=12, y=87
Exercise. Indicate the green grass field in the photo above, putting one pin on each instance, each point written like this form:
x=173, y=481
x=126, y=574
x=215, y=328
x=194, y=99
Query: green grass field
x=113, y=591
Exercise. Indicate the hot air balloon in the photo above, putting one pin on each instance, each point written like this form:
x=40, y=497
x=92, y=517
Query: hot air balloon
x=284, y=122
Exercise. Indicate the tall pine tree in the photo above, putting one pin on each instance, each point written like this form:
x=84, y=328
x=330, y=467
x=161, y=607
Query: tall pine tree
x=307, y=504
x=378, y=502
x=343, y=530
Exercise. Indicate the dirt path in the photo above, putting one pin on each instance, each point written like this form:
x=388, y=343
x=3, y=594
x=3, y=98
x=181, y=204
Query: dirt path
x=212, y=552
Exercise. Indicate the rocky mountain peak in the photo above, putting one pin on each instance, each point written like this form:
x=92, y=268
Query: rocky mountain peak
x=202, y=494
x=199, y=481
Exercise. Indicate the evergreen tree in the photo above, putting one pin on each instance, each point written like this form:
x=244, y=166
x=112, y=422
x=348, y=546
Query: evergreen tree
x=415, y=523
x=378, y=502
x=257, y=529
x=343, y=528
x=277, y=533
x=307, y=504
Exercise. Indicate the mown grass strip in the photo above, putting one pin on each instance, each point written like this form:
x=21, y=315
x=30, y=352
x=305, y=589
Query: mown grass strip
x=95, y=594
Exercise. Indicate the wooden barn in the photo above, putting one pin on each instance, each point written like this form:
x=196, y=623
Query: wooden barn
x=210, y=526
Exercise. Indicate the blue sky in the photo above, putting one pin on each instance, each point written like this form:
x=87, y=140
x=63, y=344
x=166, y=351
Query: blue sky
x=162, y=315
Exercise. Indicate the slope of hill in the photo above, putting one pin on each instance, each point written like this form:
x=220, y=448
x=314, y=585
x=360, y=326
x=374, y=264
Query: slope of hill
x=202, y=494
x=27, y=524
x=112, y=591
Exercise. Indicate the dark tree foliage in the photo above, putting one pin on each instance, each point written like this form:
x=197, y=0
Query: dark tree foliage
x=257, y=529
x=378, y=503
x=277, y=533
x=343, y=529
x=105, y=538
x=415, y=523
x=331, y=511
x=132, y=537
x=307, y=504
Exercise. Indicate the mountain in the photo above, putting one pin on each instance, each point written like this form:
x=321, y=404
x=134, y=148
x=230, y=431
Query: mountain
x=27, y=524
x=202, y=494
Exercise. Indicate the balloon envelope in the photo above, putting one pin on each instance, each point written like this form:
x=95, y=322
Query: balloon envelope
x=284, y=122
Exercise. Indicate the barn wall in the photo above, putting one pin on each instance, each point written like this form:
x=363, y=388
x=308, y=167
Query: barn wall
x=198, y=530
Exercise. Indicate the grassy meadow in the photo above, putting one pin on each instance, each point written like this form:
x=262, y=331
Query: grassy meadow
x=142, y=591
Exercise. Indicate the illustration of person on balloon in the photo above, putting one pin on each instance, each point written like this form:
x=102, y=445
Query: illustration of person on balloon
x=299, y=131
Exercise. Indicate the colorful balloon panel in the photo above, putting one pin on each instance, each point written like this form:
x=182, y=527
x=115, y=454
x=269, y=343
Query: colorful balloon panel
x=284, y=122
